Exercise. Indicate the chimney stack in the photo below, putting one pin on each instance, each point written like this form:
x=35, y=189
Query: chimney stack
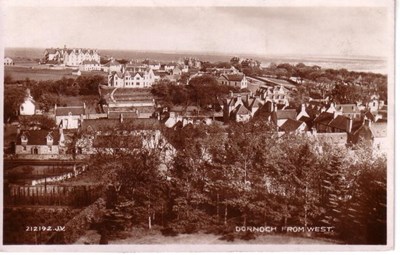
x=349, y=125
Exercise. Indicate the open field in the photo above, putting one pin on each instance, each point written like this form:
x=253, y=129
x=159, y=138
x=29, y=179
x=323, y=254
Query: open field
x=21, y=73
x=40, y=73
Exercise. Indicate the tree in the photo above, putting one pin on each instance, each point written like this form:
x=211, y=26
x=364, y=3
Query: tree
x=13, y=98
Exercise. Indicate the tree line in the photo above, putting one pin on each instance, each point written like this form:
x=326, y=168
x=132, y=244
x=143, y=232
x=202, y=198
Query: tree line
x=243, y=175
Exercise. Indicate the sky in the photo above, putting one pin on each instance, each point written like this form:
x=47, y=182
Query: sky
x=335, y=31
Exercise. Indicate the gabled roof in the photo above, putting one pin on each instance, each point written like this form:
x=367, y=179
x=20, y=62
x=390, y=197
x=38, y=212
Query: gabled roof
x=340, y=122
x=242, y=110
x=74, y=110
x=324, y=118
x=112, y=63
x=39, y=137
x=291, y=125
x=233, y=77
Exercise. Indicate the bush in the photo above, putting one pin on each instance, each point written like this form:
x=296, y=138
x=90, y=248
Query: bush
x=168, y=231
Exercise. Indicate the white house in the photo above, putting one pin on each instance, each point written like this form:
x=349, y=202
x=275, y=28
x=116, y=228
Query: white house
x=130, y=79
x=8, y=61
x=236, y=80
x=90, y=65
x=28, y=106
x=70, y=117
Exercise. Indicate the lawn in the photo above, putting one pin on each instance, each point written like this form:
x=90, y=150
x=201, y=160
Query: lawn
x=21, y=73
x=40, y=73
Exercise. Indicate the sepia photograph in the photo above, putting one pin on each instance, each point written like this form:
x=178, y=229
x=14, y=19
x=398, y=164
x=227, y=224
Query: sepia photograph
x=202, y=126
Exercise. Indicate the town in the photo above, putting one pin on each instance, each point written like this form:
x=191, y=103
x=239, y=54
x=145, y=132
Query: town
x=169, y=145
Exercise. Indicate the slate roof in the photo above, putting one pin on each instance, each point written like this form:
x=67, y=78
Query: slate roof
x=340, y=122
x=74, y=110
x=291, y=125
x=39, y=137
x=286, y=114
x=324, y=118
x=233, y=77
x=242, y=110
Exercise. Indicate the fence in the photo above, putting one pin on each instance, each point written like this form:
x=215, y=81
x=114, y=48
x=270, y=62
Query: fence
x=60, y=195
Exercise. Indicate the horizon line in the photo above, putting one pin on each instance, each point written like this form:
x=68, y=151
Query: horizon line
x=217, y=53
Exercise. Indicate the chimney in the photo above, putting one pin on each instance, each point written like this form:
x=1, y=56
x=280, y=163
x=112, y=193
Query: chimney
x=303, y=107
x=275, y=107
x=62, y=139
x=313, y=131
x=367, y=122
x=349, y=125
x=231, y=93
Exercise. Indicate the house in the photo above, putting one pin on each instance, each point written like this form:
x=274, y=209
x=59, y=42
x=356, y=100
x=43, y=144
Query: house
x=277, y=94
x=321, y=123
x=170, y=66
x=112, y=66
x=279, y=117
x=155, y=65
x=132, y=79
x=112, y=136
x=373, y=133
x=75, y=57
x=28, y=107
x=40, y=142
x=176, y=71
x=8, y=61
x=70, y=117
x=374, y=104
x=349, y=110
x=90, y=65
x=293, y=126
x=237, y=80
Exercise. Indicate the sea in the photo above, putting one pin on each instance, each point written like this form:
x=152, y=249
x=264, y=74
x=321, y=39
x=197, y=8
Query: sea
x=352, y=63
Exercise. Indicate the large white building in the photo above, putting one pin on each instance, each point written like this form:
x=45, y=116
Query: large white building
x=70, y=57
x=132, y=79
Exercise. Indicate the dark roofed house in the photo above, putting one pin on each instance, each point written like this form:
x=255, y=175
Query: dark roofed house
x=236, y=80
x=321, y=122
x=292, y=125
x=374, y=134
x=40, y=142
x=279, y=117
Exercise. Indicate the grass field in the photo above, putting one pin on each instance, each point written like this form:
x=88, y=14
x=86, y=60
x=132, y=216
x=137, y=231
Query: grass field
x=21, y=73
x=39, y=73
